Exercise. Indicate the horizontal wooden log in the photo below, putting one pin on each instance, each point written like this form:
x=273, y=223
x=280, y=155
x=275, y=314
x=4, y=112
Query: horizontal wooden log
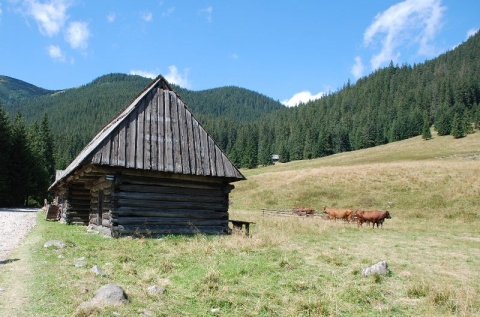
x=78, y=214
x=170, y=205
x=78, y=208
x=153, y=230
x=169, y=197
x=77, y=220
x=79, y=194
x=107, y=185
x=170, y=190
x=169, y=182
x=148, y=221
x=80, y=204
x=162, y=212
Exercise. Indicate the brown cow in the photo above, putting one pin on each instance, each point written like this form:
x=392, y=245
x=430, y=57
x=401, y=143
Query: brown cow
x=373, y=216
x=338, y=213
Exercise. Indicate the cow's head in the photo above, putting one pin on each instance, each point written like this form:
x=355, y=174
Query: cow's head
x=388, y=215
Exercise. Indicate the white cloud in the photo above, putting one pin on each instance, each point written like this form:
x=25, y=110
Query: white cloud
x=408, y=22
x=50, y=16
x=234, y=56
x=143, y=73
x=55, y=52
x=1, y=10
x=77, y=35
x=168, y=12
x=175, y=77
x=302, y=97
x=208, y=13
x=147, y=16
x=357, y=68
x=471, y=33
x=111, y=17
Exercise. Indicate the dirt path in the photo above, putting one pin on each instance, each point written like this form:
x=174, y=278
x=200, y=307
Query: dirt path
x=14, y=268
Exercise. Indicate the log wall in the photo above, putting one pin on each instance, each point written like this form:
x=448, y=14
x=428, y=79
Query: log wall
x=74, y=204
x=142, y=205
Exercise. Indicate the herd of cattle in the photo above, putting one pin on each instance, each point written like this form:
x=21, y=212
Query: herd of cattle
x=374, y=217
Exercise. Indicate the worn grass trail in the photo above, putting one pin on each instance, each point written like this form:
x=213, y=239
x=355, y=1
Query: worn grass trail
x=16, y=278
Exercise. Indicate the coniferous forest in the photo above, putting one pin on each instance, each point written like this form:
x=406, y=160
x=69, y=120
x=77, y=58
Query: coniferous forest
x=42, y=130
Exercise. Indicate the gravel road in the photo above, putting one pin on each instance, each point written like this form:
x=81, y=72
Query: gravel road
x=14, y=225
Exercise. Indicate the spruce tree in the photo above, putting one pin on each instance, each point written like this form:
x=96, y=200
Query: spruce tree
x=20, y=163
x=5, y=159
x=458, y=126
x=426, y=133
x=49, y=148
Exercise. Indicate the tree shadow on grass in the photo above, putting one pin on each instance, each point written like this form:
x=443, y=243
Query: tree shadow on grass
x=8, y=261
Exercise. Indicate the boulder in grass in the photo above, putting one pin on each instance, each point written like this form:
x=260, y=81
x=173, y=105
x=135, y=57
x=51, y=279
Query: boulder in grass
x=55, y=243
x=379, y=268
x=110, y=294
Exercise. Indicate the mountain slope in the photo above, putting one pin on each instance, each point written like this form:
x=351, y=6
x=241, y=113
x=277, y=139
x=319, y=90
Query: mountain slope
x=238, y=104
x=76, y=114
x=12, y=89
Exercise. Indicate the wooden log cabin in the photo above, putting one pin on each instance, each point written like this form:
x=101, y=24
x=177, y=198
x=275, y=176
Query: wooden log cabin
x=152, y=170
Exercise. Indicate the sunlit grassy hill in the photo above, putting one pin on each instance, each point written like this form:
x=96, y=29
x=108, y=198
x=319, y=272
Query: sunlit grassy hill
x=413, y=176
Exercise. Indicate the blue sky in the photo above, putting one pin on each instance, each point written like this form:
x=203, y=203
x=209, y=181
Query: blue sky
x=291, y=51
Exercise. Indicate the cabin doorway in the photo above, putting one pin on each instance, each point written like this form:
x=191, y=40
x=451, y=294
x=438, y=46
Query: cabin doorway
x=100, y=208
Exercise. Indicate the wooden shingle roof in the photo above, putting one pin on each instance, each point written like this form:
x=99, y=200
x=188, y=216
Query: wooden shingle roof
x=156, y=132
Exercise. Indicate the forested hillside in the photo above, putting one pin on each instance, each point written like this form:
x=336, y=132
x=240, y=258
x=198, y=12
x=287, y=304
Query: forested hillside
x=394, y=103
x=12, y=89
x=77, y=114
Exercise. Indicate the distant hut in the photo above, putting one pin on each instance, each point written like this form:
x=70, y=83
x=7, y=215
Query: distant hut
x=152, y=170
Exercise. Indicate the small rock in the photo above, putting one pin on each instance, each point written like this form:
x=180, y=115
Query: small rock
x=379, y=268
x=60, y=256
x=81, y=262
x=156, y=290
x=55, y=243
x=2, y=289
x=96, y=270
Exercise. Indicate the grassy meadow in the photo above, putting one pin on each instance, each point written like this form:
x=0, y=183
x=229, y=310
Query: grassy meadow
x=290, y=265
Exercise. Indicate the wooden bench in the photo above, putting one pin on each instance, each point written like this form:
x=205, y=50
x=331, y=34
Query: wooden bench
x=240, y=225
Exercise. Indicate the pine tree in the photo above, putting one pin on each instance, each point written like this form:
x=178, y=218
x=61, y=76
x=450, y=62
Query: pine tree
x=458, y=126
x=39, y=179
x=49, y=148
x=5, y=159
x=20, y=163
x=426, y=133
x=443, y=121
